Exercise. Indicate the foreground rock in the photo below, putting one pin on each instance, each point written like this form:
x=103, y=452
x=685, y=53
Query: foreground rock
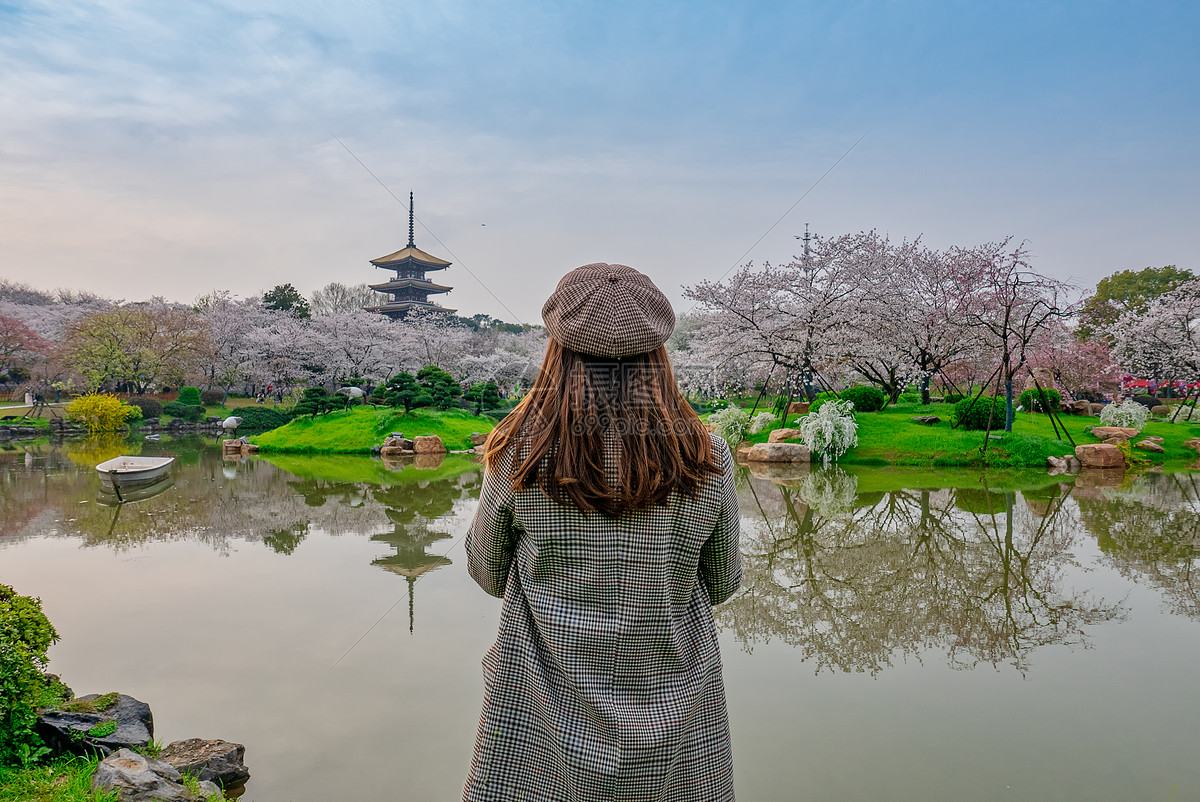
x=780, y=435
x=136, y=778
x=218, y=761
x=1065, y=464
x=799, y=408
x=1149, y=445
x=1099, y=455
x=778, y=452
x=478, y=438
x=67, y=728
x=429, y=444
x=927, y=420
x=1105, y=432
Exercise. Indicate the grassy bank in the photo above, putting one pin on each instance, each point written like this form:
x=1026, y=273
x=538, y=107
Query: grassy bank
x=890, y=437
x=60, y=780
x=356, y=430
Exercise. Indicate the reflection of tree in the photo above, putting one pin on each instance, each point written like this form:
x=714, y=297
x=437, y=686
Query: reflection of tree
x=1151, y=533
x=914, y=571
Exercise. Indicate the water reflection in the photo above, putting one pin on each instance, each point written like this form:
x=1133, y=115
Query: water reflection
x=856, y=580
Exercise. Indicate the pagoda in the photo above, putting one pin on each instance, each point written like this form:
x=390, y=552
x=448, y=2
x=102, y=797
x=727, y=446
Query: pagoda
x=409, y=289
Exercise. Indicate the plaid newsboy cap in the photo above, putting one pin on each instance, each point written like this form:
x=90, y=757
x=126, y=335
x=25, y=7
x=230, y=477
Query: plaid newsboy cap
x=608, y=310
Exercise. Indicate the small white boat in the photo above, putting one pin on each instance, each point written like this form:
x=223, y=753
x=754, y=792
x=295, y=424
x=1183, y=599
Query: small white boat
x=119, y=473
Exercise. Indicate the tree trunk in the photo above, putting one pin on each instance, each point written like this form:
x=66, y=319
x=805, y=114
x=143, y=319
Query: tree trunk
x=925, y=389
x=1008, y=406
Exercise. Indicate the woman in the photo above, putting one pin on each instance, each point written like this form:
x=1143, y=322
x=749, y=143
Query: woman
x=608, y=523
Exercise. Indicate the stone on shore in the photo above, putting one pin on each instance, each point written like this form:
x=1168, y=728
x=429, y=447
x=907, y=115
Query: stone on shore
x=429, y=444
x=218, y=761
x=65, y=729
x=780, y=435
x=1149, y=445
x=478, y=438
x=1099, y=455
x=1105, y=432
x=137, y=778
x=778, y=452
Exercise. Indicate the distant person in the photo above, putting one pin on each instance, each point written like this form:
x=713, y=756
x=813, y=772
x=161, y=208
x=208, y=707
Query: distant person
x=608, y=522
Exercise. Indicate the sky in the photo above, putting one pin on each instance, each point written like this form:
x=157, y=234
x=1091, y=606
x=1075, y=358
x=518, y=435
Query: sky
x=151, y=148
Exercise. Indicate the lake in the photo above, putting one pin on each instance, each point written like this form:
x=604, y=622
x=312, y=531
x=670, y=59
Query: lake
x=899, y=635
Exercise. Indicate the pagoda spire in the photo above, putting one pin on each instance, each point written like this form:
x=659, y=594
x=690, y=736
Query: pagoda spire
x=410, y=221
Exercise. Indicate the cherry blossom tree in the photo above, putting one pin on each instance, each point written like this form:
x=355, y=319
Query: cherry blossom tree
x=20, y=345
x=1163, y=343
x=335, y=298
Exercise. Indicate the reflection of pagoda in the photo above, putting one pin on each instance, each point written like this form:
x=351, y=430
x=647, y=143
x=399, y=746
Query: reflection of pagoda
x=409, y=289
x=410, y=559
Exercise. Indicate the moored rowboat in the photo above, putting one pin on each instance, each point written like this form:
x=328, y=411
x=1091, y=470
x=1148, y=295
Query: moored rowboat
x=122, y=472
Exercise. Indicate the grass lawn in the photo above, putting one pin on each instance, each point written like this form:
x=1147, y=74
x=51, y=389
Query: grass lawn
x=890, y=437
x=356, y=430
x=59, y=780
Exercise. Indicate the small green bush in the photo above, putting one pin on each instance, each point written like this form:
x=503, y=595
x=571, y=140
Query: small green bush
x=865, y=398
x=212, y=398
x=952, y=398
x=976, y=417
x=189, y=395
x=188, y=412
x=261, y=419
x=150, y=407
x=1031, y=400
x=910, y=398
x=25, y=636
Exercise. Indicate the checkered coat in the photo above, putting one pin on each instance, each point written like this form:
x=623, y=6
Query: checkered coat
x=604, y=682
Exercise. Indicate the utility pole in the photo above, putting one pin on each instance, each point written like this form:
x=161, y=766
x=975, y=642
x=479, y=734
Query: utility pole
x=807, y=238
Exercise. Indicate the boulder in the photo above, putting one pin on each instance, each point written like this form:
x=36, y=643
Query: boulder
x=1193, y=443
x=478, y=438
x=1160, y=411
x=137, y=778
x=1081, y=408
x=65, y=728
x=249, y=448
x=778, y=452
x=1153, y=438
x=480, y=449
x=1064, y=464
x=1149, y=445
x=1105, y=432
x=393, y=452
x=743, y=453
x=1116, y=441
x=927, y=420
x=798, y=408
x=1097, y=409
x=780, y=435
x=231, y=445
x=1099, y=455
x=218, y=761
x=429, y=444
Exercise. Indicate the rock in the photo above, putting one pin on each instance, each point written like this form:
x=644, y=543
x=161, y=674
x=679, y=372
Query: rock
x=218, y=761
x=249, y=448
x=743, y=453
x=1148, y=445
x=1105, y=432
x=778, y=452
x=480, y=449
x=392, y=452
x=1056, y=462
x=1099, y=455
x=1153, y=438
x=137, y=778
x=65, y=729
x=1193, y=443
x=394, y=441
x=780, y=435
x=927, y=420
x=798, y=408
x=478, y=438
x=1097, y=409
x=1160, y=411
x=231, y=445
x=1116, y=441
x=1080, y=408
x=429, y=444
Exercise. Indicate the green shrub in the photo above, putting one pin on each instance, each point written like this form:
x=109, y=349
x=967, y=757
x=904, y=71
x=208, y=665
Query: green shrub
x=865, y=398
x=188, y=412
x=910, y=398
x=440, y=385
x=972, y=413
x=261, y=419
x=1031, y=400
x=212, y=398
x=952, y=398
x=25, y=635
x=150, y=407
x=189, y=395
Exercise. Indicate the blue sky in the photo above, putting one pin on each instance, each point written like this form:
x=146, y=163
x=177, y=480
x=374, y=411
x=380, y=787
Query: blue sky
x=170, y=148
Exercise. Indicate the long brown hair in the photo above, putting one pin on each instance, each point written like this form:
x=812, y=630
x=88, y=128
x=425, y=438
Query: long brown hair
x=583, y=410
